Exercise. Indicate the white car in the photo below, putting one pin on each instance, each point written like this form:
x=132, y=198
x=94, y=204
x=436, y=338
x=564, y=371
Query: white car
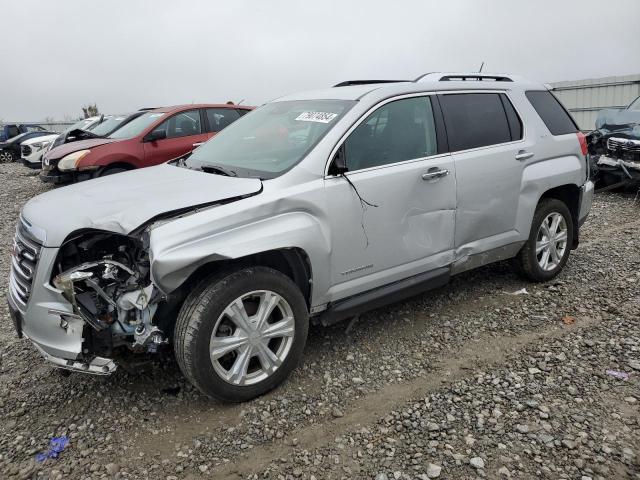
x=32, y=150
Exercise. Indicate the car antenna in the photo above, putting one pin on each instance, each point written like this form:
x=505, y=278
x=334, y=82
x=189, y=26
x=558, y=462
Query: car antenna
x=481, y=65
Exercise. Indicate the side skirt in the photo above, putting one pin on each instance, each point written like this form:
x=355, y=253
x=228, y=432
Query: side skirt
x=381, y=296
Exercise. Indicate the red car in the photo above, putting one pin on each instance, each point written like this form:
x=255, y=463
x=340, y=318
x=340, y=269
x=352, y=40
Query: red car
x=156, y=136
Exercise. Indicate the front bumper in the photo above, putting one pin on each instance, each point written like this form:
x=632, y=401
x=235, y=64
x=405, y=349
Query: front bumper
x=624, y=168
x=58, y=337
x=35, y=164
x=55, y=176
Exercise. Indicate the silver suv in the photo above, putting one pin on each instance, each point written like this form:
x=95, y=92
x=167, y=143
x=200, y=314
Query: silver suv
x=316, y=206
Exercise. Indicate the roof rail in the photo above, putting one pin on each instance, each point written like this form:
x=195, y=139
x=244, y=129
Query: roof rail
x=146, y=109
x=470, y=76
x=349, y=83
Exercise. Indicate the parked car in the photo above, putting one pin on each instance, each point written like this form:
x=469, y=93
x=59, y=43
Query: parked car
x=75, y=131
x=10, y=150
x=10, y=130
x=316, y=206
x=154, y=137
x=32, y=150
x=94, y=127
x=615, y=147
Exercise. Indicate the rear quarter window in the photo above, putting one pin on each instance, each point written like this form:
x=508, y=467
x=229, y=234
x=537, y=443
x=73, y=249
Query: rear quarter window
x=551, y=111
x=476, y=120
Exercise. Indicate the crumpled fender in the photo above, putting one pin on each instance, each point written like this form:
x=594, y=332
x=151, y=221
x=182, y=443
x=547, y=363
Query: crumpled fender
x=181, y=246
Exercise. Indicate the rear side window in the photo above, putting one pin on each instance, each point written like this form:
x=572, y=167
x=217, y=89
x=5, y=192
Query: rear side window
x=221, y=117
x=475, y=120
x=552, y=113
x=13, y=131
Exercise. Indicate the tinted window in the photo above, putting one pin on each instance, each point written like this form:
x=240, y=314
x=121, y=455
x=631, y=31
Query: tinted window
x=13, y=131
x=181, y=124
x=553, y=114
x=474, y=120
x=398, y=131
x=515, y=124
x=219, y=118
x=242, y=112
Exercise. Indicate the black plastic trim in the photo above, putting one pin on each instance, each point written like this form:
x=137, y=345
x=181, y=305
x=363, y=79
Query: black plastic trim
x=381, y=296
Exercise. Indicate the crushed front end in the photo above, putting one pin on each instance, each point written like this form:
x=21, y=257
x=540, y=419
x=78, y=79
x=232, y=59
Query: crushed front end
x=615, y=148
x=86, y=302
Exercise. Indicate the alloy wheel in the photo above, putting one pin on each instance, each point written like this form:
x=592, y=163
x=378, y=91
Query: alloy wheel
x=551, y=241
x=252, y=337
x=6, y=157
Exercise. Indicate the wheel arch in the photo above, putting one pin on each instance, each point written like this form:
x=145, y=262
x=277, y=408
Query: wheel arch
x=569, y=194
x=119, y=164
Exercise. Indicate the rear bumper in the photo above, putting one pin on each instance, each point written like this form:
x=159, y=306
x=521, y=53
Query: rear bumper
x=586, y=199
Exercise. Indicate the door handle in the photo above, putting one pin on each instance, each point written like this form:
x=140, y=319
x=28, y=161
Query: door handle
x=197, y=144
x=435, y=174
x=522, y=155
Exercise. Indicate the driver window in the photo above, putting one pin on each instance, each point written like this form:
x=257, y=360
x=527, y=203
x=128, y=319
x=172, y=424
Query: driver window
x=181, y=124
x=398, y=131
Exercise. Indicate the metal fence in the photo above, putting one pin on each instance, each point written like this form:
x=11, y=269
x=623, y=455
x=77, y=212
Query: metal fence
x=585, y=98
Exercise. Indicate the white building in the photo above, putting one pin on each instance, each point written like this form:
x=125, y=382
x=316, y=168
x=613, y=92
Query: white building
x=585, y=98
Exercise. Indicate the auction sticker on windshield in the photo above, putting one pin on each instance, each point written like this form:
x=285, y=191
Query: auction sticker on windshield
x=319, y=117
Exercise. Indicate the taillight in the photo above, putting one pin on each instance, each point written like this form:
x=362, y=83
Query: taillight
x=582, y=138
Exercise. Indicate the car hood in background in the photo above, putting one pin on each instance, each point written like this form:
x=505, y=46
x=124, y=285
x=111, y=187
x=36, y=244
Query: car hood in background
x=44, y=138
x=67, y=148
x=123, y=202
x=625, y=123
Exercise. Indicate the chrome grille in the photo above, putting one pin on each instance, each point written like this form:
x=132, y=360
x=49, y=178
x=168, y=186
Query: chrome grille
x=24, y=258
x=623, y=144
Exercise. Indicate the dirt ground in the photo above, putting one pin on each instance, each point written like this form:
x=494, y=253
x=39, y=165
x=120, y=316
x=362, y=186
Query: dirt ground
x=472, y=380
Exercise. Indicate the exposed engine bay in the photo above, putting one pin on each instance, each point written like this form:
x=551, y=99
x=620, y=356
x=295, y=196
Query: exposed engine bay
x=105, y=277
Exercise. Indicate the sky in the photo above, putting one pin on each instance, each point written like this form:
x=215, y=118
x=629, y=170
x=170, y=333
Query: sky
x=127, y=54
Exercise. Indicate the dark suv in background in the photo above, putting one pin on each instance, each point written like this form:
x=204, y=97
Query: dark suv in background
x=154, y=137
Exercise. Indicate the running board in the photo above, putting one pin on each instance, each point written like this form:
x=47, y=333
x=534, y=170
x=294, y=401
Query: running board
x=381, y=296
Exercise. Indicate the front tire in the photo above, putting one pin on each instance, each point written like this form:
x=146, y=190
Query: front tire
x=546, y=252
x=239, y=335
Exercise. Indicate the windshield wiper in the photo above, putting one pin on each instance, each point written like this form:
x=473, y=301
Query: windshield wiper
x=218, y=170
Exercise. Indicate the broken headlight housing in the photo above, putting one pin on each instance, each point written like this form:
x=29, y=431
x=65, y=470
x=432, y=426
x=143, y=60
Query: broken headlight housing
x=106, y=279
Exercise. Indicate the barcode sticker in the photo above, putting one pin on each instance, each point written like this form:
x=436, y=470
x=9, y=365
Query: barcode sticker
x=319, y=117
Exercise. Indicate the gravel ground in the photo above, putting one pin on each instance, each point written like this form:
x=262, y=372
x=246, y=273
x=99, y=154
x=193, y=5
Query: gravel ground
x=467, y=381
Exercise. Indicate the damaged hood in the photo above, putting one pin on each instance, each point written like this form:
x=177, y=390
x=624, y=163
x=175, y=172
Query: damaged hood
x=67, y=148
x=120, y=203
x=625, y=123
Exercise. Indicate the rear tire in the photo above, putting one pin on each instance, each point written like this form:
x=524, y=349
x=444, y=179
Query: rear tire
x=240, y=334
x=546, y=252
x=7, y=156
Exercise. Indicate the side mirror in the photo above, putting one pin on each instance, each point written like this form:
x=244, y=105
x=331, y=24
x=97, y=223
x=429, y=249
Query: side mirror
x=339, y=162
x=155, y=135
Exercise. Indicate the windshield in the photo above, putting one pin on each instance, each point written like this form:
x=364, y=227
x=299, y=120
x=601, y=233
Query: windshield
x=270, y=140
x=109, y=125
x=635, y=105
x=137, y=126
